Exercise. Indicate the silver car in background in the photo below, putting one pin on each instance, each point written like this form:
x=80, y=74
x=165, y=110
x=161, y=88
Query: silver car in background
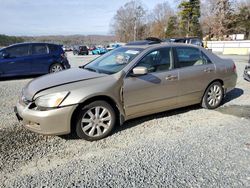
x=131, y=81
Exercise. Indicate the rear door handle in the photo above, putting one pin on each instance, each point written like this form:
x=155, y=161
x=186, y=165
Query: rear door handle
x=208, y=70
x=171, y=77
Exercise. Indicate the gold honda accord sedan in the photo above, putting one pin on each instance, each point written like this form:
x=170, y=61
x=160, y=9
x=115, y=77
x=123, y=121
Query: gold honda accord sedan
x=138, y=79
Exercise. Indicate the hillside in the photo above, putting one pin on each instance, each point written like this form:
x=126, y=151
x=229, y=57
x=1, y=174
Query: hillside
x=59, y=39
x=7, y=40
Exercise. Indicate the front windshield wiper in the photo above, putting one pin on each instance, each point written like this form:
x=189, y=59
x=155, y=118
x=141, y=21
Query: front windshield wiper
x=90, y=69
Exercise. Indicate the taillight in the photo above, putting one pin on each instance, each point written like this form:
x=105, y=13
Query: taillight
x=64, y=55
x=234, y=68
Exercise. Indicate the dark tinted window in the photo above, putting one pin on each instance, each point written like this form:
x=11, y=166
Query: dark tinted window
x=187, y=56
x=18, y=51
x=158, y=60
x=83, y=47
x=39, y=49
x=54, y=48
x=196, y=42
x=180, y=40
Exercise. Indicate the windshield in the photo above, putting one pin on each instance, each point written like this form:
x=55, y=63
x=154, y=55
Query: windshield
x=113, y=61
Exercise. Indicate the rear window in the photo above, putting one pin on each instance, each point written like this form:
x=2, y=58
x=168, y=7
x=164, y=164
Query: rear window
x=54, y=48
x=83, y=47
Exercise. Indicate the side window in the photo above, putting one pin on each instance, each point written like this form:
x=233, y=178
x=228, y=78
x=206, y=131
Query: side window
x=52, y=48
x=206, y=60
x=158, y=60
x=18, y=51
x=196, y=42
x=39, y=49
x=187, y=56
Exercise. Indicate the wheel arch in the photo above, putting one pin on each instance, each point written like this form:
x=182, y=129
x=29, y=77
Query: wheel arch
x=53, y=63
x=105, y=98
x=215, y=80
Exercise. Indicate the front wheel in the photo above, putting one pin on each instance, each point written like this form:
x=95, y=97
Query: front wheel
x=213, y=96
x=55, y=68
x=95, y=121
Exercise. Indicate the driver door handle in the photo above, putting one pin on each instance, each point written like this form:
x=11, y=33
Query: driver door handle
x=171, y=77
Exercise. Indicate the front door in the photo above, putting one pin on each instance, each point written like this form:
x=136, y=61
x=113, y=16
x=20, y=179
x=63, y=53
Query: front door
x=155, y=91
x=18, y=61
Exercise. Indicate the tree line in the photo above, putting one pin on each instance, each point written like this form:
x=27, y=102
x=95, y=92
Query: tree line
x=213, y=19
x=59, y=39
x=7, y=40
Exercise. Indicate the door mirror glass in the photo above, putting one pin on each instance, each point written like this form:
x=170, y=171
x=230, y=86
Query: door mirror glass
x=137, y=71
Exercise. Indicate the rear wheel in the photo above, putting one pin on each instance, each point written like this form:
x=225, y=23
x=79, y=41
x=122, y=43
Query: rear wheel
x=55, y=68
x=95, y=121
x=213, y=96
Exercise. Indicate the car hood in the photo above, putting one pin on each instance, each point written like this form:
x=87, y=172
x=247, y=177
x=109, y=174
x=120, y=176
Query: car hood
x=57, y=79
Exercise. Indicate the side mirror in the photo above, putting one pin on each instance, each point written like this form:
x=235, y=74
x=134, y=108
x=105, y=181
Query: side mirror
x=137, y=71
x=5, y=55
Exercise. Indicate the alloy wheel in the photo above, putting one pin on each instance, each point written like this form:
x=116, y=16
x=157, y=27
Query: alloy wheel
x=56, y=68
x=96, y=121
x=214, y=95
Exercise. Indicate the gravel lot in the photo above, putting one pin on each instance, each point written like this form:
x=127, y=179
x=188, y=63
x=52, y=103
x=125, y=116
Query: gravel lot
x=188, y=147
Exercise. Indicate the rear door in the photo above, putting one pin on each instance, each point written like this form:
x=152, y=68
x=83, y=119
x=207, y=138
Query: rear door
x=155, y=91
x=196, y=71
x=42, y=59
x=18, y=61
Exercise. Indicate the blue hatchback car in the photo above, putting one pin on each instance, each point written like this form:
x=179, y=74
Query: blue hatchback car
x=32, y=59
x=99, y=51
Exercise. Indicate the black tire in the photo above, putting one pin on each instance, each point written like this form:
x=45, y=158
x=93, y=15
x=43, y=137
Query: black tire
x=56, y=67
x=94, y=123
x=216, y=96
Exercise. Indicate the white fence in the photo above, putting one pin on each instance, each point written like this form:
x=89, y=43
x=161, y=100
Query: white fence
x=230, y=47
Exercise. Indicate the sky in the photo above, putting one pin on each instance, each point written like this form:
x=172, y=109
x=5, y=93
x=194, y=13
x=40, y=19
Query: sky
x=60, y=17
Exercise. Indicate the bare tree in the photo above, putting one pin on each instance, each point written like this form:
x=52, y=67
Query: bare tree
x=129, y=22
x=158, y=19
x=218, y=17
x=208, y=18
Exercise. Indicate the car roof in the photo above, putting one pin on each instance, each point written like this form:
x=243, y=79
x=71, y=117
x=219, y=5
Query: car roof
x=162, y=44
x=25, y=43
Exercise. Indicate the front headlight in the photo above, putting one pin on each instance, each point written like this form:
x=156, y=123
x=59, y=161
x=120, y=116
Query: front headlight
x=51, y=100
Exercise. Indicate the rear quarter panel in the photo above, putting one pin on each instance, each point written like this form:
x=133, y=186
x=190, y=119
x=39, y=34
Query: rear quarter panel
x=224, y=70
